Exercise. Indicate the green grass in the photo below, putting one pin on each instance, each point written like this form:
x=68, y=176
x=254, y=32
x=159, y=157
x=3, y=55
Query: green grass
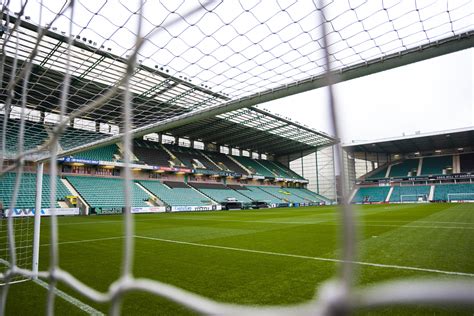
x=435, y=236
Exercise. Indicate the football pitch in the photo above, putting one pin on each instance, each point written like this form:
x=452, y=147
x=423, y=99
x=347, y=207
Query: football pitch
x=257, y=257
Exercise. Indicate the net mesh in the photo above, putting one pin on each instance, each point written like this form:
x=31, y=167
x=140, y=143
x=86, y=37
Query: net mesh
x=23, y=228
x=76, y=73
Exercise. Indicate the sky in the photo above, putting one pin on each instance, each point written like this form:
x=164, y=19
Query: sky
x=428, y=96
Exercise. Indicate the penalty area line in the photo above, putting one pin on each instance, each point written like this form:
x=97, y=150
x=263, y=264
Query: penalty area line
x=72, y=300
x=362, y=263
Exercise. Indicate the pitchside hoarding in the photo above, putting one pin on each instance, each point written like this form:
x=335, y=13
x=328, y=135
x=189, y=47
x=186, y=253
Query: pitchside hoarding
x=194, y=208
x=44, y=212
x=155, y=209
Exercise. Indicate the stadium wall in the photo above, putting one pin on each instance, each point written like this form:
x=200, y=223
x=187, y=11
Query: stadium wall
x=318, y=168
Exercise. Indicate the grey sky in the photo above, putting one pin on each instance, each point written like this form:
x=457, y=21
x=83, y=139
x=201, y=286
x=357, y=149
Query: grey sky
x=433, y=95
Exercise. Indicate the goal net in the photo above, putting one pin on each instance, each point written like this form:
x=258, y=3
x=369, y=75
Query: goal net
x=461, y=197
x=413, y=198
x=78, y=75
x=22, y=227
x=17, y=208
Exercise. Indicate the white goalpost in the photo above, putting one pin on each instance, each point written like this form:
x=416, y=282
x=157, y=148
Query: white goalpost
x=461, y=197
x=413, y=198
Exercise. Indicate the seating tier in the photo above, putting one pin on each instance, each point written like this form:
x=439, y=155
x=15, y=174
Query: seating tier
x=27, y=193
x=371, y=194
x=107, y=193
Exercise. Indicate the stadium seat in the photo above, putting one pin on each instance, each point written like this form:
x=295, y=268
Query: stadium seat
x=371, y=194
x=450, y=192
x=226, y=163
x=27, y=194
x=410, y=193
x=106, y=153
x=306, y=195
x=106, y=193
x=176, y=193
x=378, y=174
x=436, y=165
x=291, y=174
x=191, y=158
x=255, y=194
x=219, y=192
x=402, y=169
x=254, y=166
x=283, y=194
x=151, y=153
x=34, y=133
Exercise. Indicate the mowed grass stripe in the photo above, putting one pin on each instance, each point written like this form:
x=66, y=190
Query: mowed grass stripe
x=266, y=262
x=379, y=265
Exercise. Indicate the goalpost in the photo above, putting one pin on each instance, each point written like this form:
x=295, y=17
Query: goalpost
x=414, y=198
x=461, y=197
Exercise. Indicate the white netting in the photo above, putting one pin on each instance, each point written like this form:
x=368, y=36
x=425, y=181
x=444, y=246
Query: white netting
x=23, y=227
x=107, y=67
x=461, y=196
x=413, y=198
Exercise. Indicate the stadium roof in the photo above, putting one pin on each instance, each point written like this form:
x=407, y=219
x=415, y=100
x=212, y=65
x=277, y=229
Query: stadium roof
x=199, y=65
x=450, y=139
x=157, y=96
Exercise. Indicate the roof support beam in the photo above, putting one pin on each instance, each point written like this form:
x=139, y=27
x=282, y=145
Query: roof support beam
x=430, y=50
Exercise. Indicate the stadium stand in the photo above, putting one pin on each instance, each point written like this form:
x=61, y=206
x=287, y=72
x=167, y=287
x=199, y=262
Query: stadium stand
x=27, y=193
x=402, y=169
x=226, y=163
x=34, y=133
x=289, y=172
x=467, y=162
x=67, y=141
x=410, y=193
x=106, y=153
x=151, y=153
x=175, y=193
x=304, y=194
x=378, y=174
x=191, y=158
x=370, y=194
x=106, y=193
x=283, y=194
x=317, y=196
x=436, y=165
x=254, y=166
x=219, y=192
x=276, y=170
x=450, y=192
x=256, y=194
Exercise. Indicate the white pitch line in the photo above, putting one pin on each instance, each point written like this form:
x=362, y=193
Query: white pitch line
x=323, y=222
x=379, y=265
x=74, y=242
x=84, y=240
x=72, y=300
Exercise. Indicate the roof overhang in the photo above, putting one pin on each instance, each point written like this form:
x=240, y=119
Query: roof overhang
x=426, y=142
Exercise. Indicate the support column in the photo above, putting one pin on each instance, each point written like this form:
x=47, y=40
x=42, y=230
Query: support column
x=302, y=166
x=36, y=232
x=317, y=171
